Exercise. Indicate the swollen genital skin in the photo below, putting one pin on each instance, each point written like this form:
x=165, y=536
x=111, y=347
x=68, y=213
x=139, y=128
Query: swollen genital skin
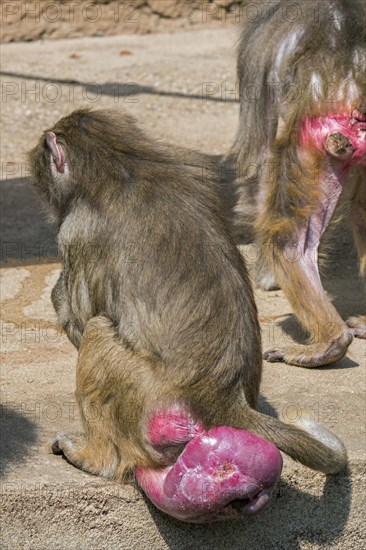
x=221, y=473
x=342, y=138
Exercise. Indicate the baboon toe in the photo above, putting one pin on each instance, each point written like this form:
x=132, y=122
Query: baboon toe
x=56, y=449
x=56, y=445
x=274, y=356
x=357, y=325
x=62, y=444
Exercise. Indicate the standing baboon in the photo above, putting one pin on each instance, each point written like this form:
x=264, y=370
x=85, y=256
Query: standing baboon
x=175, y=370
x=301, y=140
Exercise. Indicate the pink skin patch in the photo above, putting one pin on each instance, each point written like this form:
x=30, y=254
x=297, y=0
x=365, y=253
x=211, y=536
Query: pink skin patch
x=222, y=473
x=315, y=131
x=172, y=427
x=319, y=132
x=57, y=152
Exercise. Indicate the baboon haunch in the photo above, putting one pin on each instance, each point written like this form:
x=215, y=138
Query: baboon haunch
x=175, y=367
x=301, y=140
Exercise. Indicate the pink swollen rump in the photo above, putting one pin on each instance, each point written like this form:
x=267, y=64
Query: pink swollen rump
x=221, y=473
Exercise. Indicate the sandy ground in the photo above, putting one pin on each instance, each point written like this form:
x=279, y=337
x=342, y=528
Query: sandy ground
x=164, y=81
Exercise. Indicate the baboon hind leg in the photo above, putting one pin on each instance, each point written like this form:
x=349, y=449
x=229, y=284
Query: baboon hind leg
x=112, y=385
x=294, y=256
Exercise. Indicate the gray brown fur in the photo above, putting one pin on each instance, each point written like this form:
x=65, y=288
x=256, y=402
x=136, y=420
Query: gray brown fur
x=144, y=240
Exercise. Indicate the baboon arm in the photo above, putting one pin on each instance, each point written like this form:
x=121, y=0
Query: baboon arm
x=61, y=303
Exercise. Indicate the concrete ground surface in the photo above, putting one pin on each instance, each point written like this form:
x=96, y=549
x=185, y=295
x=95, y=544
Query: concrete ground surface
x=46, y=503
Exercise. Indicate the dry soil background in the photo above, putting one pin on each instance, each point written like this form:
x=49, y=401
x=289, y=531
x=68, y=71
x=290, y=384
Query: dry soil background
x=47, y=503
x=35, y=19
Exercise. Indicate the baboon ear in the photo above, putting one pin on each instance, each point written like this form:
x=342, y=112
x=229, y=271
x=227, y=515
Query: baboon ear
x=57, y=152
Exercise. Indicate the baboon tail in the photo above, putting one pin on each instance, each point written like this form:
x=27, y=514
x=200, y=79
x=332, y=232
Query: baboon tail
x=307, y=442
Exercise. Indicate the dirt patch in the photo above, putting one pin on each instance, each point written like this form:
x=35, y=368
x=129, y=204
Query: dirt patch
x=32, y=20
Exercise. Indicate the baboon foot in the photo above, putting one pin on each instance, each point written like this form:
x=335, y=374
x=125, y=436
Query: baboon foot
x=357, y=326
x=267, y=281
x=98, y=460
x=312, y=355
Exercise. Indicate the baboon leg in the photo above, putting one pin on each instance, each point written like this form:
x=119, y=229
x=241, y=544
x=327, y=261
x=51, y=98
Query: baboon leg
x=96, y=455
x=264, y=276
x=358, y=222
x=111, y=384
x=244, y=215
x=329, y=336
x=295, y=261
